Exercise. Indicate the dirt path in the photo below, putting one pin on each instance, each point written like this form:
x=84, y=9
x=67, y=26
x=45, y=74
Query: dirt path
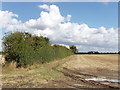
x=70, y=72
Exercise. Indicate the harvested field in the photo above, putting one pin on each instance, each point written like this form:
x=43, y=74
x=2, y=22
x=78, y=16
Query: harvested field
x=77, y=71
x=100, y=69
x=94, y=64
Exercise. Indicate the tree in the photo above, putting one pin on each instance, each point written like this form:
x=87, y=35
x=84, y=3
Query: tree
x=73, y=48
x=23, y=47
x=26, y=49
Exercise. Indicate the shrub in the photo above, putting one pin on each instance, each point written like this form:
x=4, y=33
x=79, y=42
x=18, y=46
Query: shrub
x=73, y=49
x=26, y=49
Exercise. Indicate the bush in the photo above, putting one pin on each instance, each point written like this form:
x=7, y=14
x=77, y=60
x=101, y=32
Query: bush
x=73, y=49
x=26, y=49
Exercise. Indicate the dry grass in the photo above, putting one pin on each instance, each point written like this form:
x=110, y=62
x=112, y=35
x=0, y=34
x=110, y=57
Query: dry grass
x=99, y=65
x=42, y=74
x=93, y=61
x=36, y=75
x=2, y=60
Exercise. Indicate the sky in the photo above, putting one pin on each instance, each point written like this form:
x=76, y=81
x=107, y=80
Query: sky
x=88, y=25
x=93, y=14
x=60, y=1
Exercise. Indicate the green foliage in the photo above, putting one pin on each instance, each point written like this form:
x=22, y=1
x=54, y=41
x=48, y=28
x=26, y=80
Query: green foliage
x=73, y=48
x=26, y=49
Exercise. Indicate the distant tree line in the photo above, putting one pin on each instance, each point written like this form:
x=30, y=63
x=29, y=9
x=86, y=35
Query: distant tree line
x=96, y=52
x=27, y=49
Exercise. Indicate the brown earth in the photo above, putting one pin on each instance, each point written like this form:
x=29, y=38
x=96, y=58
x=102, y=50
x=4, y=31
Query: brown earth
x=70, y=72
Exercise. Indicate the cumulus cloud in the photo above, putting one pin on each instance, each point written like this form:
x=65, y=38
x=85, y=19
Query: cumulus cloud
x=68, y=18
x=47, y=19
x=60, y=30
x=44, y=7
x=7, y=18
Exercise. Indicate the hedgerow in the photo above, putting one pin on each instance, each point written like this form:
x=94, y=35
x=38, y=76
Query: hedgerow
x=27, y=49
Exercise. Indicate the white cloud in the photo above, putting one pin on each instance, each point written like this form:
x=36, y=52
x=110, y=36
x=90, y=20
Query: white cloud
x=44, y=7
x=7, y=18
x=91, y=48
x=68, y=18
x=47, y=19
x=61, y=31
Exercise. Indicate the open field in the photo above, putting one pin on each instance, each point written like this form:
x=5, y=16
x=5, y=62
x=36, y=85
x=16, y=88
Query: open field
x=76, y=71
x=94, y=64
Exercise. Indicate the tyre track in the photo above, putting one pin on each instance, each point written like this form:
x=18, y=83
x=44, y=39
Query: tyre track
x=79, y=77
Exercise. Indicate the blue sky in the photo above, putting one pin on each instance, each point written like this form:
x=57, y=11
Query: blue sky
x=93, y=25
x=92, y=13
